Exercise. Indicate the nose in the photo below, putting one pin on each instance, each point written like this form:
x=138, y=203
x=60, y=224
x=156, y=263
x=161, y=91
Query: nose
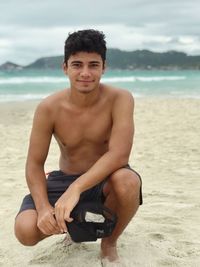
x=85, y=72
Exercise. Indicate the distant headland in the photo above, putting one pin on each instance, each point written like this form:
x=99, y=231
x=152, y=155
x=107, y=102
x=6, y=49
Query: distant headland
x=118, y=59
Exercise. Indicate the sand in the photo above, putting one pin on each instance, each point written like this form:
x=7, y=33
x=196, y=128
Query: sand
x=166, y=152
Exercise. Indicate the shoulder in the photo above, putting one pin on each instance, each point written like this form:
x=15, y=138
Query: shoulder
x=124, y=95
x=51, y=103
x=118, y=95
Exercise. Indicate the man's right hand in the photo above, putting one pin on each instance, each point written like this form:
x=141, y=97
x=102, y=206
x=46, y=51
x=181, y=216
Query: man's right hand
x=46, y=221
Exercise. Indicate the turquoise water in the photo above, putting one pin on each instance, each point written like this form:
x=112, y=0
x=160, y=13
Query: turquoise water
x=37, y=84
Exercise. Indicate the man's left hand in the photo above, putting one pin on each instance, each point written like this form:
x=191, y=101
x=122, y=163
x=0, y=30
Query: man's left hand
x=65, y=205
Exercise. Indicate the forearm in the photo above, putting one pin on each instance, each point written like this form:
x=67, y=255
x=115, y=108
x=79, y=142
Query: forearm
x=106, y=165
x=36, y=181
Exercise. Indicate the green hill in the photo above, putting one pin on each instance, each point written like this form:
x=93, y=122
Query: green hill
x=139, y=59
x=47, y=63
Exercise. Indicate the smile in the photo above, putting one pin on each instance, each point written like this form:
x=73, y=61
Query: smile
x=83, y=81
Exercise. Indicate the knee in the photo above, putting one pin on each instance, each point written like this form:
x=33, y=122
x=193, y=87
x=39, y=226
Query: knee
x=25, y=232
x=125, y=183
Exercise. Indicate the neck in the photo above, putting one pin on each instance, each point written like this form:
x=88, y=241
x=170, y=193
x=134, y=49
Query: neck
x=83, y=100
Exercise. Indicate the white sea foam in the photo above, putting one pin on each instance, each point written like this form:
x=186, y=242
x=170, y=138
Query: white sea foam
x=160, y=78
x=31, y=86
x=119, y=79
x=48, y=79
x=23, y=80
x=143, y=79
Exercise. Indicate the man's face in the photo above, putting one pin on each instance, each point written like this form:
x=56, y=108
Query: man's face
x=84, y=71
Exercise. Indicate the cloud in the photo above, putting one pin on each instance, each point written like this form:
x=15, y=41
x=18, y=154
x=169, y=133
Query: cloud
x=31, y=29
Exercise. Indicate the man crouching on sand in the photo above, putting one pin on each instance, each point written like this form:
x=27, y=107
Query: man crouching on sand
x=93, y=125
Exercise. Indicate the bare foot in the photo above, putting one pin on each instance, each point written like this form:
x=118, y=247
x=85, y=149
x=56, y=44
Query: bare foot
x=109, y=251
x=106, y=263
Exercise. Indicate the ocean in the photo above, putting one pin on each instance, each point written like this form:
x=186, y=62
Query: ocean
x=27, y=85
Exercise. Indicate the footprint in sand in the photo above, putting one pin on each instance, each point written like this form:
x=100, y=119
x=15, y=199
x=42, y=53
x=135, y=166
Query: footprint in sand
x=157, y=236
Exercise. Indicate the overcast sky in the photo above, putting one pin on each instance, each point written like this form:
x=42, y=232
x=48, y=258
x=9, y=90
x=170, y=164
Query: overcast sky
x=30, y=29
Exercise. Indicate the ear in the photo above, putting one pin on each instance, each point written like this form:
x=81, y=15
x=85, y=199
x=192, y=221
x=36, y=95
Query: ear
x=64, y=67
x=104, y=67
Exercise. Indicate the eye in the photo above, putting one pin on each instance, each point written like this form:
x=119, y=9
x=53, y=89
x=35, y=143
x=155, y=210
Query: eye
x=94, y=65
x=76, y=64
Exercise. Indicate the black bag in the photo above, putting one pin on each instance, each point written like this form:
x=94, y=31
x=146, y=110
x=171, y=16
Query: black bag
x=83, y=230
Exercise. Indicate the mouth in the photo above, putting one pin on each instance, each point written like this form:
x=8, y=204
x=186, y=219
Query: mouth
x=84, y=81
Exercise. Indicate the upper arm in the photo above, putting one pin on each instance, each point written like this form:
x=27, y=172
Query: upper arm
x=123, y=125
x=41, y=135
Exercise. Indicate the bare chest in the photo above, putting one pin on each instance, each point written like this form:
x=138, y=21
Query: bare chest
x=80, y=129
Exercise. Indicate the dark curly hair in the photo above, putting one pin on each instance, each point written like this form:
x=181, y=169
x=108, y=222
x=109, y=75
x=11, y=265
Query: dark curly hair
x=85, y=41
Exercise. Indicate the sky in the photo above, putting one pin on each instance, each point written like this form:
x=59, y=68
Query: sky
x=33, y=29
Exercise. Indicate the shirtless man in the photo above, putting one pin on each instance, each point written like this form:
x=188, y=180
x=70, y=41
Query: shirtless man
x=93, y=125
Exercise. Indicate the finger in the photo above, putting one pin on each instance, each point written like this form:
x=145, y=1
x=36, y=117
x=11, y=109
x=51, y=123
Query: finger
x=67, y=217
x=45, y=229
x=49, y=225
x=59, y=213
x=55, y=227
x=53, y=220
x=57, y=232
x=63, y=223
x=54, y=224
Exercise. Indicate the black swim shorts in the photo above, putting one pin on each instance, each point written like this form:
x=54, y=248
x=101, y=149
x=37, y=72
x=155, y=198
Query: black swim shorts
x=57, y=184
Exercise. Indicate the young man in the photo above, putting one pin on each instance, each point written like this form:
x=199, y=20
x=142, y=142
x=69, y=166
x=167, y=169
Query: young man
x=93, y=126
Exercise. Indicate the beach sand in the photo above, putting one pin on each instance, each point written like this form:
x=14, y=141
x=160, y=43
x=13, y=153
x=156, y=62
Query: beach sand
x=166, y=152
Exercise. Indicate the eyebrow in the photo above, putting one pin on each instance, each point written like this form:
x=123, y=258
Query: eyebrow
x=95, y=61
x=90, y=62
x=76, y=61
